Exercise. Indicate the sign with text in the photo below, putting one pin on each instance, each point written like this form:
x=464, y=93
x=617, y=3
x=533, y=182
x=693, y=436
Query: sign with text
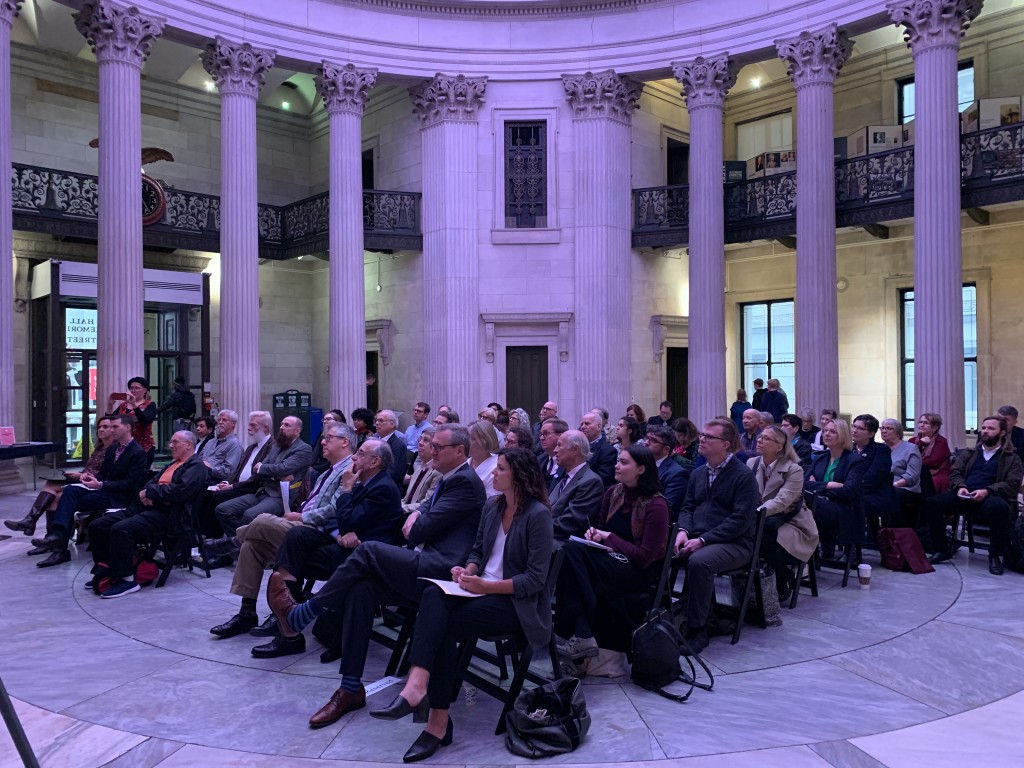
x=79, y=328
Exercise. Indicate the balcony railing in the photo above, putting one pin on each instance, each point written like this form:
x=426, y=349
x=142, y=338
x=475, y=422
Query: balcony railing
x=869, y=189
x=66, y=203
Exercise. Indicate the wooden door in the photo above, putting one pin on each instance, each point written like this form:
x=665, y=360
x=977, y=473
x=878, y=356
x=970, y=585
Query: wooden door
x=526, y=378
x=676, y=370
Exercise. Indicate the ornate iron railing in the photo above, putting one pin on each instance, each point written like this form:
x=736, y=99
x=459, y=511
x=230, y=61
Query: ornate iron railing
x=66, y=203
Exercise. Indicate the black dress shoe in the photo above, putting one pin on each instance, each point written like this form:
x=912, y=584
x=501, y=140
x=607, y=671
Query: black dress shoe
x=57, y=557
x=48, y=542
x=995, y=565
x=426, y=744
x=941, y=557
x=236, y=625
x=280, y=646
x=38, y=551
x=328, y=655
x=400, y=708
x=267, y=629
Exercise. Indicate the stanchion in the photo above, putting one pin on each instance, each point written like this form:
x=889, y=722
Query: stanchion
x=28, y=757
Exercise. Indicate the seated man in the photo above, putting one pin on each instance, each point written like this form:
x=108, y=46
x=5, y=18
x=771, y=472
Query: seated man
x=751, y=430
x=115, y=485
x=575, y=498
x=442, y=535
x=115, y=535
x=602, y=454
x=662, y=441
x=878, y=496
x=983, y=484
x=287, y=460
x=225, y=452
x=716, y=529
x=547, y=440
x=791, y=425
x=241, y=480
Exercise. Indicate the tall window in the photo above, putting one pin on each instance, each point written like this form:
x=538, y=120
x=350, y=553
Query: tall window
x=526, y=174
x=768, y=348
x=964, y=92
x=970, y=315
x=769, y=134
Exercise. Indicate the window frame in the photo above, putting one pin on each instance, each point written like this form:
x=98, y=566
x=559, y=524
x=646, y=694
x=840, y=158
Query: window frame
x=903, y=82
x=500, y=234
x=769, y=362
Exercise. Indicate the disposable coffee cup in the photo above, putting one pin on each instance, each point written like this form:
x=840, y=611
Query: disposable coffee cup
x=864, y=574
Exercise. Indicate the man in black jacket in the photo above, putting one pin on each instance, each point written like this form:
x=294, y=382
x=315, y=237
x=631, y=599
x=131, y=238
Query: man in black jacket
x=791, y=424
x=716, y=526
x=441, y=534
x=602, y=454
x=115, y=535
x=386, y=423
x=877, y=494
x=115, y=485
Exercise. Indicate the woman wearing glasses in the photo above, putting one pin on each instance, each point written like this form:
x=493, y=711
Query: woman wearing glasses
x=483, y=449
x=790, y=535
x=508, y=566
x=832, y=488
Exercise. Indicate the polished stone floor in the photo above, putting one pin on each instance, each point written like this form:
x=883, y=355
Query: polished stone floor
x=915, y=671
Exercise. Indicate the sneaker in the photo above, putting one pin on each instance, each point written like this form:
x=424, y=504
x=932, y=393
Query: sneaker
x=578, y=648
x=121, y=588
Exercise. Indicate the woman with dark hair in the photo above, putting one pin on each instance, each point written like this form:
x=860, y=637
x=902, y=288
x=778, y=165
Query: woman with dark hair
x=362, y=423
x=687, y=441
x=519, y=437
x=634, y=411
x=320, y=464
x=739, y=405
x=137, y=403
x=627, y=433
x=934, y=449
x=508, y=566
x=632, y=527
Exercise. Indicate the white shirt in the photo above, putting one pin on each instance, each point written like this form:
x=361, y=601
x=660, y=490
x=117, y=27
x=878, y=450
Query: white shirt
x=486, y=474
x=246, y=472
x=494, y=567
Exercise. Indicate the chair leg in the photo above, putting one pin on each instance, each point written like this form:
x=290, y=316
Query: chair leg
x=743, y=607
x=556, y=667
x=812, y=572
x=851, y=552
x=499, y=651
x=401, y=644
x=515, y=688
x=796, y=584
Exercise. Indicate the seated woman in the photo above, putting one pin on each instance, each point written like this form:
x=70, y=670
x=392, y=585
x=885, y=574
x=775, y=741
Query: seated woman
x=633, y=524
x=627, y=433
x=509, y=567
x=634, y=411
x=483, y=447
x=517, y=417
x=137, y=403
x=832, y=489
x=934, y=448
x=827, y=415
x=424, y=477
x=687, y=442
x=790, y=535
x=519, y=437
x=906, y=475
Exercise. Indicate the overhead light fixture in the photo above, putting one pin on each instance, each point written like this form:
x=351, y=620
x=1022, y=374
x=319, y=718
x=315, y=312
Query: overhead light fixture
x=285, y=105
x=755, y=82
x=211, y=86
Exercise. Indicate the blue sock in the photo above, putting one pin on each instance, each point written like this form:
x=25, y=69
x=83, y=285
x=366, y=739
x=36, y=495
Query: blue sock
x=351, y=683
x=303, y=614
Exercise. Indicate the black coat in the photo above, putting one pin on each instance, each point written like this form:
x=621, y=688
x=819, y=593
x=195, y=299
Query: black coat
x=372, y=511
x=602, y=460
x=724, y=511
x=122, y=479
x=399, y=453
x=188, y=483
x=448, y=523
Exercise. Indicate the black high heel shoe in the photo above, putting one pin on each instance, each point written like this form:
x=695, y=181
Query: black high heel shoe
x=400, y=708
x=426, y=744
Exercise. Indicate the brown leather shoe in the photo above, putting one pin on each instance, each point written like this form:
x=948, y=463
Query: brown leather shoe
x=341, y=702
x=280, y=599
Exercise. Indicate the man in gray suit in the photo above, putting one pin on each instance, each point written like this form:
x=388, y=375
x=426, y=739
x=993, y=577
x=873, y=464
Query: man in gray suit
x=224, y=453
x=575, y=497
x=288, y=460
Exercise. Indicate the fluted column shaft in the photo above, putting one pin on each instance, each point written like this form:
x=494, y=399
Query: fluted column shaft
x=8, y=10
x=120, y=38
x=447, y=106
x=933, y=32
x=601, y=136
x=238, y=71
x=706, y=81
x=344, y=90
x=814, y=60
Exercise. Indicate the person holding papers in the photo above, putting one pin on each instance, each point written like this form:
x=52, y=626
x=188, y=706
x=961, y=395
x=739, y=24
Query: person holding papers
x=502, y=589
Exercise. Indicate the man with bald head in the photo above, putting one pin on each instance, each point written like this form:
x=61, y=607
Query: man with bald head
x=386, y=422
x=575, y=497
x=602, y=454
x=547, y=411
x=115, y=536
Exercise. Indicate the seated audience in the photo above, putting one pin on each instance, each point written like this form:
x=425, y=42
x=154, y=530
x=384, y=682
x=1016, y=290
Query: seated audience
x=508, y=566
x=687, y=442
x=906, y=475
x=664, y=417
x=447, y=416
x=575, y=496
x=483, y=450
x=751, y=429
x=739, y=405
x=935, y=453
x=491, y=416
x=519, y=437
x=833, y=488
x=602, y=454
x=790, y=536
x=362, y=423
x=827, y=415
x=633, y=523
x=673, y=477
x=420, y=421
x=386, y=423
x=224, y=451
x=808, y=429
x=878, y=498
x=766, y=419
x=517, y=417
x=791, y=424
x=205, y=427
x=1016, y=434
x=424, y=477
x=627, y=433
x=547, y=440
x=241, y=480
x=634, y=411
x=320, y=463
x=716, y=525
x=984, y=483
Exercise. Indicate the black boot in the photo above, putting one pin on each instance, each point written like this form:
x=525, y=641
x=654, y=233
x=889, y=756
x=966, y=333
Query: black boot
x=27, y=524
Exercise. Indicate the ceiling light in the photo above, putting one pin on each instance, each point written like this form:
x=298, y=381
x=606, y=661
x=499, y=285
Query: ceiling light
x=755, y=82
x=211, y=86
x=285, y=105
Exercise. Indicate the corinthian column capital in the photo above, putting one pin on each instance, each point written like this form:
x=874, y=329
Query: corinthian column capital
x=8, y=10
x=344, y=88
x=815, y=57
x=706, y=80
x=117, y=33
x=933, y=23
x=602, y=94
x=448, y=97
x=237, y=67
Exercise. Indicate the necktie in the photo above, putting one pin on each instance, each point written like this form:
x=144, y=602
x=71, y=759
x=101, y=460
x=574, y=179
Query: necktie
x=411, y=494
x=437, y=492
x=563, y=482
x=551, y=465
x=311, y=501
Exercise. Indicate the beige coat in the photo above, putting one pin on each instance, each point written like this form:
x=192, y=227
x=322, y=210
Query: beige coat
x=782, y=493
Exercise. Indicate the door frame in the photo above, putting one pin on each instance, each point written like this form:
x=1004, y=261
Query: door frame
x=528, y=329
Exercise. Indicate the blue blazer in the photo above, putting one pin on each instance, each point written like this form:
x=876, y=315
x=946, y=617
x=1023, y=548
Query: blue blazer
x=673, y=482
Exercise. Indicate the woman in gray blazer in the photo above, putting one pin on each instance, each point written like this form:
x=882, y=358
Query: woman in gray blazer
x=505, y=581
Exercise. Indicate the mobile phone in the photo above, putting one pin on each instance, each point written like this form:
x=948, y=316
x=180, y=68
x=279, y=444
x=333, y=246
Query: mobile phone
x=120, y=396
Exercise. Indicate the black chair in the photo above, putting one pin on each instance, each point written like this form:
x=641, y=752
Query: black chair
x=178, y=541
x=812, y=579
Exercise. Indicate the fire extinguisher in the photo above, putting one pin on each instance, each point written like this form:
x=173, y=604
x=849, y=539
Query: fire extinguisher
x=207, y=402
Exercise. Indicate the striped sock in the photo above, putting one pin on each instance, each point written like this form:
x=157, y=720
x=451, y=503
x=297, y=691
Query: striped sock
x=351, y=683
x=303, y=614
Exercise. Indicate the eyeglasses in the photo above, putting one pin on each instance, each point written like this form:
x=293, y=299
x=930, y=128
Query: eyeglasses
x=329, y=418
x=655, y=440
x=763, y=439
x=328, y=438
x=440, y=446
x=704, y=436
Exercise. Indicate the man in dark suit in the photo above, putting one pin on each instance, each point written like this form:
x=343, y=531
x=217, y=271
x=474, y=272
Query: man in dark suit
x=441, y=536
x=1010, y=413
x=241, y=480
x=878, y=495
x=792, y=425
x=664, y=417
x=575, y=497
x=116, y=535
x=602, y=454
x=288, y=460
x=662, y=441
x=716, y=525
x=121, y=475
x=547, y=411
x=550, y=430
x=386, y=423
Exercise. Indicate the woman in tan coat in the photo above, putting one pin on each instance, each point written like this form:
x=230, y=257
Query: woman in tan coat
x=790, y=535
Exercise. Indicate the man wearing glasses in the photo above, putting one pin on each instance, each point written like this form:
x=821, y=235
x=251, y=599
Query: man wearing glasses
x=439, y=537
x=716, y=525
x=386, y=423
x=662, y=441
x=420, y=421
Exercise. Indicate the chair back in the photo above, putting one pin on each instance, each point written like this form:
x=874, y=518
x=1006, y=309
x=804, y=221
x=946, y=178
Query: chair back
x=666, y=567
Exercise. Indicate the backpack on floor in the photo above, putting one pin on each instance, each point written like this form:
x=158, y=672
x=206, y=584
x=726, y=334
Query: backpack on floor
x=1015, y=551
x=901, y=550
x=658, y=647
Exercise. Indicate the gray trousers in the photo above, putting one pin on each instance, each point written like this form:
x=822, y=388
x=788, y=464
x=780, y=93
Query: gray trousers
x=241, y=511
x=701, y=568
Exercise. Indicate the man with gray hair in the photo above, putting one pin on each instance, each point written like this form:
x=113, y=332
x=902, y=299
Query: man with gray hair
x=386, y=423
x=576, y=495
x=224, y=453
x=114, y=536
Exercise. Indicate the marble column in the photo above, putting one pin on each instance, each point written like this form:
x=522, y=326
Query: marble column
x=448, y=109
x=238, y=70
x=345, y=89
x=121, y=38
x=602, y=104
x=706, y=81
x=814, y=59
x=933, y=31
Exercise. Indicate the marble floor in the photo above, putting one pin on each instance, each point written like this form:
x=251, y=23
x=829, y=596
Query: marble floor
x=915, y=671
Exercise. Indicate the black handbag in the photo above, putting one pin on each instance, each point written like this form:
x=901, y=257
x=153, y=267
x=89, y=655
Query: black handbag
x=657, y=648
x=552, y=719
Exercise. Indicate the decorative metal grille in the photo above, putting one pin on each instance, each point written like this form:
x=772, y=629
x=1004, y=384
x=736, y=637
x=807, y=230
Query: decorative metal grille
x=526, y=174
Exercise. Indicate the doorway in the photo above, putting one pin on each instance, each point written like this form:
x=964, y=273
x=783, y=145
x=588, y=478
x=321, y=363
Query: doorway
x=677, y=367
x=526, y=378
x=677, y=157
